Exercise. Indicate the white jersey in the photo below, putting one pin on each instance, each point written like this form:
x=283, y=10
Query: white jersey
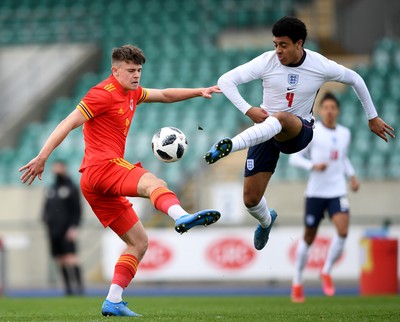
x=292, y=88
x=327, y=146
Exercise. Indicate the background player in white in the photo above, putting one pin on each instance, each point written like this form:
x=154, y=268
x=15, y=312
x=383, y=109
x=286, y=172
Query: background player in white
x=326, y=158
x=291, y=77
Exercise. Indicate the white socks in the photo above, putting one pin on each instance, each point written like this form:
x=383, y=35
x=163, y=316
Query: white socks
x=301, y=261
x=115, y=293
x=257, y=134
x=176, y=212
x=334, y=252
x=261, y=213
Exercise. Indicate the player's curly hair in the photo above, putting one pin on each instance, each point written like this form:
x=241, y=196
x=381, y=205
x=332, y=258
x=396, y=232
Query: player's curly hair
x=291, y=27
x=128, y=53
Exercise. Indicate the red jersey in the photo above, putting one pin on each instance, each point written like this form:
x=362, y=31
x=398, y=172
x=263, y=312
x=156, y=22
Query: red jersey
x=109, y=110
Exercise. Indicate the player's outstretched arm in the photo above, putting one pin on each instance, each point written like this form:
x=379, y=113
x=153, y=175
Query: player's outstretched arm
x=35, y=167
x=170, y=95
x=381, y=128
x=376, y=124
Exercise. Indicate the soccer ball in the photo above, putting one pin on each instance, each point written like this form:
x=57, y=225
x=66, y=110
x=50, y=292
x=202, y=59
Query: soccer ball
x=169, y=144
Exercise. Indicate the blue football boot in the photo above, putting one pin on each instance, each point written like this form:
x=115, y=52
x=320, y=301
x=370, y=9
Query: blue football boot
x=261, y=235
x=116, y=309
x=219, y=150
x=204, y=217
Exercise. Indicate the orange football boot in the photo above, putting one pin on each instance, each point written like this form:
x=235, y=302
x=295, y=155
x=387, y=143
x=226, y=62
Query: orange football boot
x=297, y=294
x=327, y=285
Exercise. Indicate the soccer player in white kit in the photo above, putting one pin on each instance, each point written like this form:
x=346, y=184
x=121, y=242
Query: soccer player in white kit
x=291, y=77
x=326, y=159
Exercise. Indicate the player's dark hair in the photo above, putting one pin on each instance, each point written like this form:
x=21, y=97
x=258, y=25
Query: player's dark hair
x=291, y=27
x=330, y=96
x=128, y=53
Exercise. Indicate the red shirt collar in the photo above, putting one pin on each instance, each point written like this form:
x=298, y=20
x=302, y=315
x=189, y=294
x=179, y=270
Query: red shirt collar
x=118, y=85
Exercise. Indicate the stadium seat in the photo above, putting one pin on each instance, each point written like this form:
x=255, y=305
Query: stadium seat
x=381, y=59
x=393, y=83
x=363, y=71
x=393, y=165
x=361, y=141
x=396, y=57
x=60, y=109
x=389, y=109
x=358, y=161
x=376, y=84
x=376, y=166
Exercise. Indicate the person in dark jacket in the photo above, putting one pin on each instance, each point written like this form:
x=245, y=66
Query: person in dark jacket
x=62, y=215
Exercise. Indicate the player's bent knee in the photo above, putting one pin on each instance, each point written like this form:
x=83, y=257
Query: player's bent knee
x=281, y=115
x=148, y=183
x=287, y=119
x=251, y=200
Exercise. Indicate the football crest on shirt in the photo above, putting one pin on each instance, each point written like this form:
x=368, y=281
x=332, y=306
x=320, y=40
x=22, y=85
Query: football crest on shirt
x=250, y=164
x=121, y=111
x=293, y=79
x=131, y=104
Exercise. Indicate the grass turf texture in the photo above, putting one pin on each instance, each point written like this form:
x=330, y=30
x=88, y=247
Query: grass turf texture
x=210, y=308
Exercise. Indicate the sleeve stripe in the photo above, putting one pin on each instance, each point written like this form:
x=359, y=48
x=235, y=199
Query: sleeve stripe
x=142, y=97
x=85, y=110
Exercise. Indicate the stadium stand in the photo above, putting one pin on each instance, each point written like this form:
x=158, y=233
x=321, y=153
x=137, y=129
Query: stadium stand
x=181, y=51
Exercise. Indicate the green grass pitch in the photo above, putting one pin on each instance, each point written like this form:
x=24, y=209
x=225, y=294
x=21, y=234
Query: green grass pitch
x=210, y=308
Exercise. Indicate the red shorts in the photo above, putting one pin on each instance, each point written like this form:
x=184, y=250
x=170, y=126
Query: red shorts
x=105, y=187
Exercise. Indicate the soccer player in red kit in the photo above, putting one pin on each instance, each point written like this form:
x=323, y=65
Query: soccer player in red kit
x=106, y=112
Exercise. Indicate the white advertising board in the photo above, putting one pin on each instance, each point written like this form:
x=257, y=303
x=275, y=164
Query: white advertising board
x=213, y=253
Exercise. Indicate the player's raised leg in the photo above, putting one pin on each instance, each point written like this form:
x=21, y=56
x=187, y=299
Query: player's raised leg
x=283, y=126
x=219, y=150
x=167, y=202
x=252, y=136
x=341, y=221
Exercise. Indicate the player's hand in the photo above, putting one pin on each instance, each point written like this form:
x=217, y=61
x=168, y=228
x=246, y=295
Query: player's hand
x=206, y=92
x=320, y=166
x=354, y=184
x=71, y=234
x=380, y=128
x=257, y=114
x=33, y=169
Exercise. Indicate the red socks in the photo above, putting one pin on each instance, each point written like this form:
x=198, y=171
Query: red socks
x=163, y=198
x=125, y=270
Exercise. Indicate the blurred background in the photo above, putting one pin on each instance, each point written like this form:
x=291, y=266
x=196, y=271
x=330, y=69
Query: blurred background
x=53, y=51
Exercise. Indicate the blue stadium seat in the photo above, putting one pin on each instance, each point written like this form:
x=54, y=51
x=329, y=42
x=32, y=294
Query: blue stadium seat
x=393, y=165
x=376, y=166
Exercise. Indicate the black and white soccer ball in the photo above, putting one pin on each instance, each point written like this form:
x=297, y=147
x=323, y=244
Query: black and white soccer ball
x=169, y=144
